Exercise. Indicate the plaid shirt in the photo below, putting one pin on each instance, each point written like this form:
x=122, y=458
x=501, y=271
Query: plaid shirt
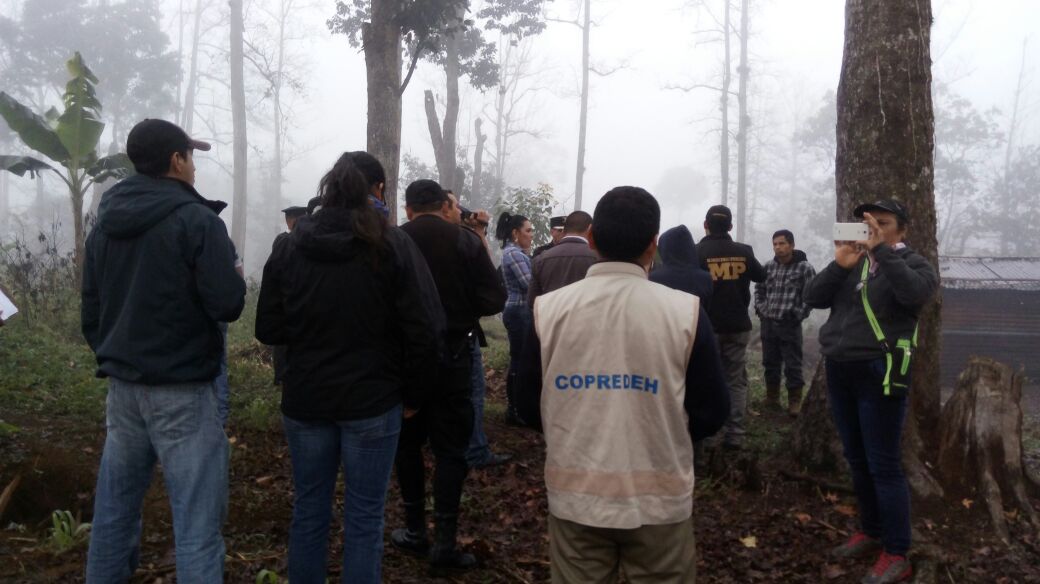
x=780, y=296
x=516, y=271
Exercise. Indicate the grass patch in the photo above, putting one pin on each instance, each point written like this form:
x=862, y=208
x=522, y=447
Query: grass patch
x=496, y=354
x=43, y=371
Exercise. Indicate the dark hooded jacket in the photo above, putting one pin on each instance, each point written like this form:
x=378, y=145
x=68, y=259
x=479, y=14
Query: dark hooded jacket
x=359, y=336
x=680, y=267
x=159, y=274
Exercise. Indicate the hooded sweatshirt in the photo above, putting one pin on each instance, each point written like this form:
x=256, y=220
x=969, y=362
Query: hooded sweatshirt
x=780, y=296
x=159, y=274
x=680, y=266
x=359, y=337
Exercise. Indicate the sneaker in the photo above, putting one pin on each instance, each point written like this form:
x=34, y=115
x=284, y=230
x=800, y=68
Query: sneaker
x=410, y=542
x=889, y=568
x=858, y=546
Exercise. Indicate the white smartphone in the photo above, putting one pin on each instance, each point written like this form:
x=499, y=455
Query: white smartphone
x=850, y=231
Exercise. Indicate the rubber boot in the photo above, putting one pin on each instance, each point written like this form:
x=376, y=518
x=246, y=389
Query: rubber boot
x=444, y=555
x=412, y=538
x=794, y=401
x=773, y=397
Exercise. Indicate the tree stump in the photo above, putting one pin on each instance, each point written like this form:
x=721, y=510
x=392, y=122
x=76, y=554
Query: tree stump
x=980, y=446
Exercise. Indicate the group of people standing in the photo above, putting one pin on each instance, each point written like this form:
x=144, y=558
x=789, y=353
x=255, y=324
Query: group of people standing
x=626, y=350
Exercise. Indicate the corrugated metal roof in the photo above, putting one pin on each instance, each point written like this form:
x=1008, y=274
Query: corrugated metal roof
x=988, y=273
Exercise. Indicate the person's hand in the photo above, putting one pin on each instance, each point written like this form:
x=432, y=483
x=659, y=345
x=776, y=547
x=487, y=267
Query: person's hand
x=408, y=413
x=874, y=239
x=847, y=254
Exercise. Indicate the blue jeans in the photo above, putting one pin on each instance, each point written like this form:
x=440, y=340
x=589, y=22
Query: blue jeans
x=365, y=448
x=871, y=425
x=478, y=450
x=177, y=426
x=223, y=387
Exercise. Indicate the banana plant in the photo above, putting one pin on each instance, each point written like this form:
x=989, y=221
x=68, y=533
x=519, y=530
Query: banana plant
x=69, y=138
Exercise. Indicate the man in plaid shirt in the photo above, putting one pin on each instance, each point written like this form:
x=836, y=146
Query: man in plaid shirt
x=778, y=303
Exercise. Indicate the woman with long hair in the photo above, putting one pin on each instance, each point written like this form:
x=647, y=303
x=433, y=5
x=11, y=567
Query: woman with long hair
x=875, y=289
x=343, y=296
x=516, y=234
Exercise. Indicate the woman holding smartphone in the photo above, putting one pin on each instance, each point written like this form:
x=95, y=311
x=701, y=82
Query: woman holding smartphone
x=875, y=289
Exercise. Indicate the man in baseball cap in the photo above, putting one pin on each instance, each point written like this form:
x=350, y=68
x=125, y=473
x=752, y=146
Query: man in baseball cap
x=158, y=280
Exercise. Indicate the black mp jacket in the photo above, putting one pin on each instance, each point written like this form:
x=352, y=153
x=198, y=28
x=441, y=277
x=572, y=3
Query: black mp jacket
x=733, y=267
x=159, y=274
x=359, y=335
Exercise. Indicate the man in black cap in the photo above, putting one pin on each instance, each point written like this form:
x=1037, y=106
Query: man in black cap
x=555, y=231
x=469, y=288
x=278, y=356
x=733, y=267
x=159, y=275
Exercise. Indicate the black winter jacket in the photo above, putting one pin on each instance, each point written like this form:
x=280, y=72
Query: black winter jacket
x=158, y=275
x=903, y=282
x=732, y=267
x=359, y=337
x=680, y=267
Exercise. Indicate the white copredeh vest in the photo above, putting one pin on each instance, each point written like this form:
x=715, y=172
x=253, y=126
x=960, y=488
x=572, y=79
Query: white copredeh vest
x=615, y=348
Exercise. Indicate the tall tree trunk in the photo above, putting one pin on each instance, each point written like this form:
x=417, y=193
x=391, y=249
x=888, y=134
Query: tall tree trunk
x=179, y=103
x=475, y=194
x=188, y=112
x=743, y=123
x=238, y=117
x=885, y=149
x=276, y=162
x=444, y=137
x=583, y=114
x=1009, y=151
x=382, y=46
x=724, y=105
x=5, y=202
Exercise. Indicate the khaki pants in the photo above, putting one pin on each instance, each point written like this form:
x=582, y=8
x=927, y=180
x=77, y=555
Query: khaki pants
x=658, y=554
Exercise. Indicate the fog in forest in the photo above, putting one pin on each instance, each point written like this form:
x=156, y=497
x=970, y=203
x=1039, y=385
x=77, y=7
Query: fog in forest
x=656, y=73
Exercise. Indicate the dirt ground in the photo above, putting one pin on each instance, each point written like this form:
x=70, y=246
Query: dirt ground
x=752, y=523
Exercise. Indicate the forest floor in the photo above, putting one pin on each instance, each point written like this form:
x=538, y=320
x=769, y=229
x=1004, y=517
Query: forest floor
x=753, y=523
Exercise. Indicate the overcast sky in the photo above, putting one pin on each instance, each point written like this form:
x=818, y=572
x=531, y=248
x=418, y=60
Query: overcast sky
x=638, y=129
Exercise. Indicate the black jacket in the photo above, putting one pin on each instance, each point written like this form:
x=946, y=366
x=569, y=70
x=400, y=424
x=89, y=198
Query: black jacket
x=158, y=275
x=680, y=267
x=903, y=282
x=467, y=282
x=359, y=338
x=732, y=267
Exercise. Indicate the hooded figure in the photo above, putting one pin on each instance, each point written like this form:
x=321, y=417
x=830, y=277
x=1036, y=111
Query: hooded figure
x=680, y=267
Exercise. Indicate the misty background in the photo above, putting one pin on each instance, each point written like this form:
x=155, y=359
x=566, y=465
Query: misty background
x=653, y=119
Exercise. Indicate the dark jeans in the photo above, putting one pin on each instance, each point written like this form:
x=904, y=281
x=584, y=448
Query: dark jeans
x=479, y=450
x=782, y=348
x=871, y=425
x=365, y=450
x=445, y=420
x=517, y=320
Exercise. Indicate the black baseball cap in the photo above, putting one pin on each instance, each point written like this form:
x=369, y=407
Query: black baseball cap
x=718, y=214
x=294, y=211
x=424, y=191
x=151, y=142
x=557, y=222
x=890, y=205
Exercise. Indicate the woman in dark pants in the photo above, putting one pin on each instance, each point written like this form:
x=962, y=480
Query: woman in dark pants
x=875, y=290
x=344, y=296
x=516, y=234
